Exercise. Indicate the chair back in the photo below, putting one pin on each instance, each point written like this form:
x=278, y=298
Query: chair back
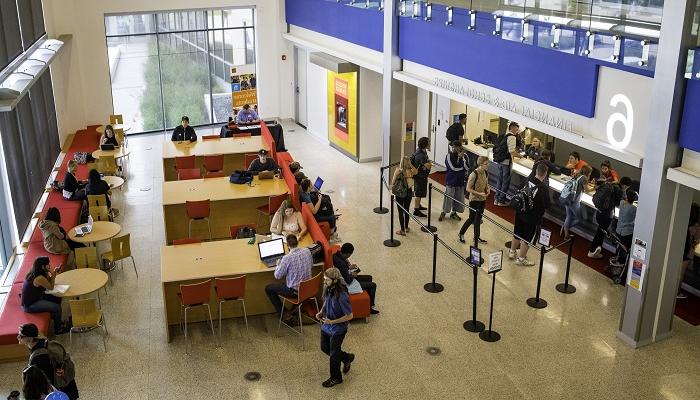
x=196, y=293
x=184, y=162
x=97, y=200
x=188, y=173
x=121, y=247
x=242, y=135
x=247, y=159
x=119, y=134
x=99, y=213
x=275, y=202
x=198, y=209
x=86, y=257
x=107, y=165
x=230, y=288
x=179, y=242
x=211, y=137
x=233, y=230
x=216, y=174
x=214, y=163
x=309, y=288
x=116, y=119
x=85, y=313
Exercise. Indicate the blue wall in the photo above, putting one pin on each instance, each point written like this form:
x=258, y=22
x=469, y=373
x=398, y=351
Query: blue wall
x=689, y=137
x=364, y=27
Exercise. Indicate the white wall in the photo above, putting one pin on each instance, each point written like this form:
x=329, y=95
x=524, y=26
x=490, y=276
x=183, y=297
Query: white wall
x=423, y=114
x=317, y=101
x=370, y=102
x=81, y=75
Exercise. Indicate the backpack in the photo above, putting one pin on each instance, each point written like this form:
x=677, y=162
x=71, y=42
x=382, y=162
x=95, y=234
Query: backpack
x=400, y=188
x=607, y=196
x=326, y=207
x=63, y=367
x=569, y=191
x=500, y=150
x=245, y=232
x=523, y=201
x=80, y=157
x=317, y=253
x=241, y=177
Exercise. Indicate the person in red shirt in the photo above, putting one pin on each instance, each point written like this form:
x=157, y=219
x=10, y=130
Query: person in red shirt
x=607, y=173
x=575, y=162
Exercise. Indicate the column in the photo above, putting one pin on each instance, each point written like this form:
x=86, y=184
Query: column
x=392, y=93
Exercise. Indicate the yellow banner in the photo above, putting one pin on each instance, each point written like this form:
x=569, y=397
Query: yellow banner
x=342, y=111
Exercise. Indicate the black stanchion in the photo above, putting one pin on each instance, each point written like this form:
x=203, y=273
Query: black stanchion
x=429, y=228
x=434, y=287
x=474, y=325
x=537, y=302
x=391, y=242
x=565, y=287
x=490, y=335
x=381, y=209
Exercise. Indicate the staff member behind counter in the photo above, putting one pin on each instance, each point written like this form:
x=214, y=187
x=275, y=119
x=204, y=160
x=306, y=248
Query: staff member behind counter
x=184, y=132
x=456, y=130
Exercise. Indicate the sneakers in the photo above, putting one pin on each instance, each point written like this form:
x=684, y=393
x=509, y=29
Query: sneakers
x=421, y=208
x=461, y=238
x=330, y=382
x=524, y=262
x=441, y=217
x=372, y=311
x=335, y=238
x=455, y=217
x=482, y=241
x=597, y=253
x=616, y=264
x=681, y=296
x=346, y=364
x=499, y=204
x=418, y=213
x=512, y=254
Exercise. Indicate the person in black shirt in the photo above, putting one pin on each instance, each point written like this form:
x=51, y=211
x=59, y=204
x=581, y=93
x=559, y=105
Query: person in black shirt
x=184, y=132
x=420, y=181
x=108, y=137
x=263, y=163
x=356, y=283
x=527, y=224
x=96, y=186
x=72, y=188
x=456, y=130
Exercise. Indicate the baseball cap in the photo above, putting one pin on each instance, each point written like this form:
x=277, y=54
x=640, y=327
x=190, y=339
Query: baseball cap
x=262, y=151
x=295, y=165
x=29, y=330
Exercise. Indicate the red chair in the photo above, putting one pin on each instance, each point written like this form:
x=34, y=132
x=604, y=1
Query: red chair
x=247, y=159
x=242, y=135
x=179, y=242
x=186, y=162
x=197, y=211
x=231, y=289
x=271, y=208
x=217, y=174
x=214, y=163
x=233, y=230
x=188, y=173
x=195, y=295
x=211, y=137
x=307, y=290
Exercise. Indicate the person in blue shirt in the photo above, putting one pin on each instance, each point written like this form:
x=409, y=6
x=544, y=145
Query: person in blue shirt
x=247, y=115
x=334, y=315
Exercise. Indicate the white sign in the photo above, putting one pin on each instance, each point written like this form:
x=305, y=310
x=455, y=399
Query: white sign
x=545, y=235
x=639, y=249
x=627, y=121
x=495, y=261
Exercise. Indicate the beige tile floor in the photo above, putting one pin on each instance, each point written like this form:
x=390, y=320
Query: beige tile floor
x=567, y=350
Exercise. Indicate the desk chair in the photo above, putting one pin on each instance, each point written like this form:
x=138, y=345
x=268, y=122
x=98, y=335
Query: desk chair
x=121, y=249
x=99, y=213
x=242, y=135
x=186, y=162
x=198, y=210
x=107, y=165
x=211, y=137
x=87, y=317
x=116, y=119
x=269, y=210
x=307, y=290
x=247, y=159
x=180, y=242
x=194, y=295
x=231, y=289
x=233, y=230
x=97, y=200
x=213, y=163
x=217, y=174
x=188, y=173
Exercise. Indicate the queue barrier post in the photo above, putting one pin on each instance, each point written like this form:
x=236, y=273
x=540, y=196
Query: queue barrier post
x=381, y=209
x=490, y=335
x=434, y=287
x=391, y=242
x=474, y=325
x=429, y=228
x=537, y=302
x=565, y=287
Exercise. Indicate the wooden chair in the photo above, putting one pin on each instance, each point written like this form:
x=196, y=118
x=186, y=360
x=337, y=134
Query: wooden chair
x=213, y=163
x=198, y=211
x=107, y=165
x=180, y=242
x=86, y=257
x=231, y=289
x=269, y=210
x=121, y=249
x=247, y=159
x=121, y=138
x=211, y=137
x=97, y=200
x=116, y=119
x=99, y=213
x=242, y=135
x=233, y=230
x=307, y=290
x=186, y=162
x=188, y=173
x=194, y=295
x=217, y=174
x=87, y=317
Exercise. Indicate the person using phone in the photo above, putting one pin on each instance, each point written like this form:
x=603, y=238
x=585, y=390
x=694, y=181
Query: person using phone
x=34, y=298
x=356, y=283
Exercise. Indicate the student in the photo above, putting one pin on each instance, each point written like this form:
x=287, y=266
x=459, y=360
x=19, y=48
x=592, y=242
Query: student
x=40, y=279
x=456, y=130
x=356, y=283
x=184, y=132
x=295, y=167
x=527, y=225
x=334, y=315
x=505, y=151
x=625, y=226
x=97, y=186
x=263, y=163
x=288, y=221
x=575, y=162
x=608, y=174
x=108, y=137
x=534, y=150
x=56, y=240
x=692, y=239
x=572, y=203
x=73, y=189
x=454, y=187
x=315, y=200
x=299, y=177
x=36, y=386
x=604, y=216
x=403, y=176
x=478, y=188
x=295, y=267
x=420, y=180
x=247, y=115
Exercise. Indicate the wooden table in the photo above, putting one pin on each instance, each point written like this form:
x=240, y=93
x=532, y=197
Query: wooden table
x=118, y=152
x=101, y=230
x=101, y=129
x=114, y=182
x=234, y=151
x=194, y=263
x=82, y=281
x=231, y=204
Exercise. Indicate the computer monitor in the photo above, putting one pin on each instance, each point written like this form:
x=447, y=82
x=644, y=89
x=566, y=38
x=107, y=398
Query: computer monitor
x=490, y=137
x=318, y=183
x=271, y=248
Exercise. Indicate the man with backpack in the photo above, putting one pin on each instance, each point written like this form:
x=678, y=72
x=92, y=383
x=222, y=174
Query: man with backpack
x=530, y=204
x=505, y=151
x=50, y=357
x=455, y=179
x=606, y=197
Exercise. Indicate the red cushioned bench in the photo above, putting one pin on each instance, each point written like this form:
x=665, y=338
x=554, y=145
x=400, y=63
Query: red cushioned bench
x=11, y=317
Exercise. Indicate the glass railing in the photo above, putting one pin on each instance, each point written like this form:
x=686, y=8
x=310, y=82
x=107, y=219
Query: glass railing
x=368, y=4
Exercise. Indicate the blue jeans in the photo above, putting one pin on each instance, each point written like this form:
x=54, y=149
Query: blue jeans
x=327, y=218
x=274, y=290
x=502, y=182
x=573, y=215
x=331, y=345
x=48, y=303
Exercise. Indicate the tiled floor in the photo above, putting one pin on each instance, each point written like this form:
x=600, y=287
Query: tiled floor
x=567, y=350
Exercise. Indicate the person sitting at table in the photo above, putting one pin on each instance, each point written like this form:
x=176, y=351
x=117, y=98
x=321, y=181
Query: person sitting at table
x=294, y=167
x=97, y=186
x=308, y=194
x=356, y=283
x=575, y=162
x=73, y=189
x=263, y=163
x=108, y=137
x=295, y=267
x=34, y=299
x=288, y=221
x=56, y=239
x=608, y=174
x=247, y=115
x=299, y=177
x=534, y=150
x=184, y=132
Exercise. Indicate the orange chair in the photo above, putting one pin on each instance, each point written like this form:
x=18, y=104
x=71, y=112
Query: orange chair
x=194, y=295
x=217, y=174
x=211, y=137
x=307, y=290
x=179, y=242
x=196, y=211
x=213, y=163
x=247, y=159
x=242, y=135
x=233, y=230
x=231, y=289
x=188, y=173
x=271, y=208
x=186, y=162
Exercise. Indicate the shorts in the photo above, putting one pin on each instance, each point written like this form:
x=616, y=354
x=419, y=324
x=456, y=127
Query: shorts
x=525, y=230
x=420, y=186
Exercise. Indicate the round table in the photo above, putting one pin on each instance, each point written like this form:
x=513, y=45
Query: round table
x=114, y=182
x=82, y=281
x=101, y=129
x=118, y=152
x=101, y=230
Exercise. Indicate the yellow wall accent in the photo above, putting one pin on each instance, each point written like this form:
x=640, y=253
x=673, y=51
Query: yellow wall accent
x=342, y=111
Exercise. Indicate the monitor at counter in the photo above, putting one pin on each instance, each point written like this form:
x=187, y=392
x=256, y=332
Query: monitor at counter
x=490, y=137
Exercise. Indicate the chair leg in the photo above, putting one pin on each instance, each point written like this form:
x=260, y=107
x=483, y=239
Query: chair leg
x=279, y=325
x=134, y=262
x=187, y=341
x=104, y=337
x=211, y=322
x=189, y=229
x=245, y=318
x=209, y=228
x=301, y=327
x=70, y=338
x=220, y=304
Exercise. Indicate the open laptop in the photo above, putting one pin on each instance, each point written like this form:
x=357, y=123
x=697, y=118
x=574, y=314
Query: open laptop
x=85, y=229
x=107, y=147
x=271, y=251
x=318, y=183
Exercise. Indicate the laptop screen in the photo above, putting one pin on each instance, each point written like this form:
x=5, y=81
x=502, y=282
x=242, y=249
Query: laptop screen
x=271, y=248
x=318, y=183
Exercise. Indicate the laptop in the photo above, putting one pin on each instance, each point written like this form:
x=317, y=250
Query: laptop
x=85, y=229
x=318, y=183
x=271, y=251
x=107, y=147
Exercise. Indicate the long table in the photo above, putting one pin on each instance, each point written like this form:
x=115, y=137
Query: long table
x=194, y=263
x=234, y=151
x=231, y=204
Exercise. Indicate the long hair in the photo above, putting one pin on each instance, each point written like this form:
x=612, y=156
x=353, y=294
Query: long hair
x=36, y=384
x=53, y=215
x=38, y=268
x=338, y=284
x=94, y=177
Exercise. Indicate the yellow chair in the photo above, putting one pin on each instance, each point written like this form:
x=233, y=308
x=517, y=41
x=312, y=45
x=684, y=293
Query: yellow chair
x=116, y=119
x=121, y=138
x=99, y=213
x=86, y=257
x=107, y=165
x=97, y=200
x=87, y=317
x=121, y=249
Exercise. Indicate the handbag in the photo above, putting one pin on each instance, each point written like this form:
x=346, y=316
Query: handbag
x=400, y=187
x=354, y=287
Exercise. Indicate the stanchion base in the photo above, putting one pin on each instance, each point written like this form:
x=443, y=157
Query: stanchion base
x=534, y=303
x=507, y=244
x=392, y=243
x=474, y=326
x=489, y=336
x=381, y=210
x=433, y=287
x=429, y=228
x=566, y=289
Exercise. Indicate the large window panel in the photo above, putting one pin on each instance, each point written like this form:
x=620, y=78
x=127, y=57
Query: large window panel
x=14, y=163
x=10, y=38
x=116, y=25
x=31, y=19
x=53, y=141
x=38, y=19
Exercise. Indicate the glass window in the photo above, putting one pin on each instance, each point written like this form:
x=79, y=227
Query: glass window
x=116, y=25
x=603, y=47
x=633, y=54
x=567, y=39
x=238, y=17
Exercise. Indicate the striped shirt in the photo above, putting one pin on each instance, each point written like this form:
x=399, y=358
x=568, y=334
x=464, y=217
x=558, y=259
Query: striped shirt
x=295, y=266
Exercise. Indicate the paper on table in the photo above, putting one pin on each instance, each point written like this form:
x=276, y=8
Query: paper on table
x=58, y=289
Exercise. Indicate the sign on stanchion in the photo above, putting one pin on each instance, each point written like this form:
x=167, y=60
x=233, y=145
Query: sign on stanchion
x=495, y=265
x=391, y=242
x=474, y=325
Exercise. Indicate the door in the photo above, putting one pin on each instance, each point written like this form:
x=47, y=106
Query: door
x=440, y=120
x=301, y=58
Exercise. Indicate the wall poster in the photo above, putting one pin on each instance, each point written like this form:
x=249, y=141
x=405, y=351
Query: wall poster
x=244, y=89
x=342, y=112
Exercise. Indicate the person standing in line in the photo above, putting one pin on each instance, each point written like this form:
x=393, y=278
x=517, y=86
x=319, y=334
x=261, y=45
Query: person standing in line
x=478, y=188
x=334, y=316
x=402, y=188
x=503, y=155
x=610, y=196
x=625, y=227
x=528, y=224
x=691, y=241
x=423, y=164
x=456, y=130
x=572, y=202
x=454, y=186
x=184, y=132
